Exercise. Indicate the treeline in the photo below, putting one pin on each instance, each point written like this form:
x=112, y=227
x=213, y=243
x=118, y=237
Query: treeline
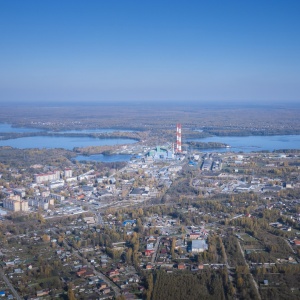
x=207, y=284
x=234, y=255
x=248, y=132
x=215, y=253
x=20, y=158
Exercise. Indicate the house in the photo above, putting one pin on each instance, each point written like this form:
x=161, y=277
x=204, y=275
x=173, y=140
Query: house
x=106, y=291
x=297, y=242
x=204, y=232
x=113, y=273
x=151, y=239
x=85, y=272
x=150, y=246
x=194, y=235
x=149, y=252
x=9, y=263
x=103, y=285
x=42, y=293
x=181, y=266
x=149, y=267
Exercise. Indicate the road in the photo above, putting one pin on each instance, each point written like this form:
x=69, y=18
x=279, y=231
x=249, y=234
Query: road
x=10, y=285
x=155, y=250
x=290, y=246
x=254, y=282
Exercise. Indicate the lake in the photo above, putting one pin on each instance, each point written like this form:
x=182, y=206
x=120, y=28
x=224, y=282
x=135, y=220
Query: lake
x=253, y=143
x=236, y=143
x=4, y=127
x=62, y=142
x=88, y=131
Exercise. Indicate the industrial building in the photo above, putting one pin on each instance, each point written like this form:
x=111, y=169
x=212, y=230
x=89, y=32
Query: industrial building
x=198, y=246
x=160, y=153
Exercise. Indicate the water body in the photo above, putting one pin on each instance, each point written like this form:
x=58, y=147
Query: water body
x=104, y=158
x=253, y=143
x=87, y=131
x=237, y=143
x=62, y=142
x=4, y=127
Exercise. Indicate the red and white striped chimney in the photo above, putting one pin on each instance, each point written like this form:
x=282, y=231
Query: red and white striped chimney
x=178, y=135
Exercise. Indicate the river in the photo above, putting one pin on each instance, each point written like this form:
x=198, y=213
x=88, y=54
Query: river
x=253, y=143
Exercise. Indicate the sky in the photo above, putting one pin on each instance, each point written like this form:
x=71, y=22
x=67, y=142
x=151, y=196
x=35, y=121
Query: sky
x=158, y=50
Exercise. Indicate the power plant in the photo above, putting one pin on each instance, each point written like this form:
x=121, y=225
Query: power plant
x=168, y=151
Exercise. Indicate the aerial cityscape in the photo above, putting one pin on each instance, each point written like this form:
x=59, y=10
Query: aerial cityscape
x=149, y=150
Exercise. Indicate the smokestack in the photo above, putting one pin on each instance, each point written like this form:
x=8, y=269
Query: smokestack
x=178, y=135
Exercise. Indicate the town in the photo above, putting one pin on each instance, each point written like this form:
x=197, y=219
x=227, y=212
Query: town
x=86, y=230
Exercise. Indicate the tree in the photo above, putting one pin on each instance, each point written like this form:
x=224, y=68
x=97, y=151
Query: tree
x=173, y=247
x=45, y=238
x=71, y=295
x=240, y=282
x=140, y=212
x=129, y=256
x=150, y=286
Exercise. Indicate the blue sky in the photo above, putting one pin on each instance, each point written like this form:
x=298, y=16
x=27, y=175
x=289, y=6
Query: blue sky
x=150, y=50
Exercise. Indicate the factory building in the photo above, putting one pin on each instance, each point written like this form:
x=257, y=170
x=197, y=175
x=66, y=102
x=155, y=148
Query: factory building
x=160, y=153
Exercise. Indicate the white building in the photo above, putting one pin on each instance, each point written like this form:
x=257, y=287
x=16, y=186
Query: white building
x=50, y=176
x=199, y=246
x=68, y=173
x=56, y=184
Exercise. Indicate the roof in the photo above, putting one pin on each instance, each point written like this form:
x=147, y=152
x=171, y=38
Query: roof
x=199, y=244
x=129, y=222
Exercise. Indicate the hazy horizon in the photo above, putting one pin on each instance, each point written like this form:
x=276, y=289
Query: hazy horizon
x=195, y=103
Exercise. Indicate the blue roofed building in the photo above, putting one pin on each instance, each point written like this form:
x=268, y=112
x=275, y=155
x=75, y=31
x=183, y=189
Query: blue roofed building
x=128, y=222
